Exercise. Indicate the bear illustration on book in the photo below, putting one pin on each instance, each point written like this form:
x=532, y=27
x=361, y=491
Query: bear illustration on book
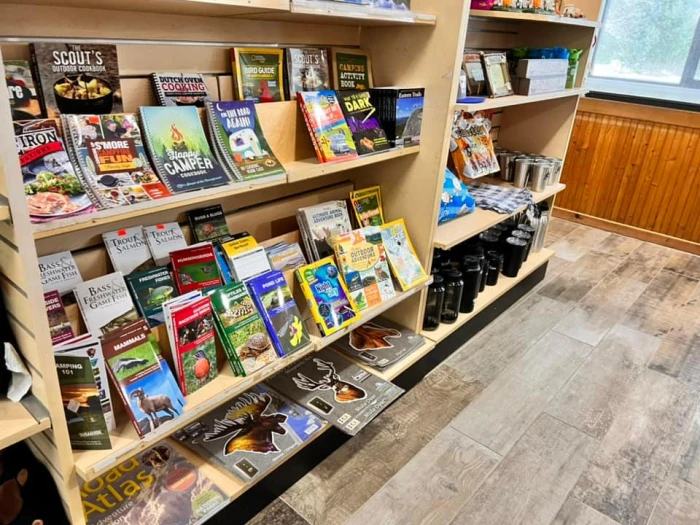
x=343, y=391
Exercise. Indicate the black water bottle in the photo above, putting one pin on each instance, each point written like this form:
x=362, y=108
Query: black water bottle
x=433, y=305
x=514, y=250
x=520, y=234
x=453, y=296
x=490, y=241
x=495, y=267
x=472, y=277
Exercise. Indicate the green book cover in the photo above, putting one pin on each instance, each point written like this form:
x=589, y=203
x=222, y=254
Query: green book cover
x=150, y=289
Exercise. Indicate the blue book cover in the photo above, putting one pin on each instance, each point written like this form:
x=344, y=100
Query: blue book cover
x=276, y=305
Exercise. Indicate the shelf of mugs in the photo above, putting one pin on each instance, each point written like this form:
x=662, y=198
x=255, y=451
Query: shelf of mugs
x=491, y=294
x=532, y=17
x=19, y=423
x=452, y=233
x=516, y=100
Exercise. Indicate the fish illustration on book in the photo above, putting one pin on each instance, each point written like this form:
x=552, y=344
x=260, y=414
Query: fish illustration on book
x=344, y=392
x=248, y=427
x=372, y=336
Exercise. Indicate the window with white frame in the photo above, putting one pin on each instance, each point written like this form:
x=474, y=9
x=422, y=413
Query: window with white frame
x=649, y=49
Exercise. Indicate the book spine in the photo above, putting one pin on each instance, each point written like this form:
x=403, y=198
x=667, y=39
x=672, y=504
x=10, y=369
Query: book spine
x=158, y=90
x=37, y=80
x=154, y=158
x=312, y=130
x=313, y=307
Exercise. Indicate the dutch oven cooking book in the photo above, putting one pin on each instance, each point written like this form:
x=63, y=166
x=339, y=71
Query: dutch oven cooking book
x=352, y=69
x=338, y=390
x=53, y=188
x=307, y=70
x=242, y=330
x=195, y=268
x=258, y=73
x=180, y=89
x=208, y=223
x=330, y=134
x=320, y=223
x=147, y=388
x=251, y=434
x=59, y=272
x=363, y=119
x=237, y=134
x=108, y=153
x=179, y=149
x=150, y=289
x=275, y=302
x=128, y=250
x=77, y=78
x=362, y=261
x=163, y=239
x=329, y=300
x=157, y=486
x=105, y=303
x=402, y=257
x=21, y=91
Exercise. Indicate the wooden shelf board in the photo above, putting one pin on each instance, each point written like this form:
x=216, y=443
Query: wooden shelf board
x=490, y=294
x=454, y=232
x=4, y=212
x=350, y=14
x=516, y=100
x=310, y=168
x=532, y=17
x=18, y=423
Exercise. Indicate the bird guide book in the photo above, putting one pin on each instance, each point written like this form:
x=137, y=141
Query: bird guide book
x=330, y=134
x=105, y=303
x=336, y=389
x=144, y=381
x=252, y=433
x=258, y=73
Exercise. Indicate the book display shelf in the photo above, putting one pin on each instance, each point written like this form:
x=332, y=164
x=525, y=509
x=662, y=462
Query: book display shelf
x=421, y=48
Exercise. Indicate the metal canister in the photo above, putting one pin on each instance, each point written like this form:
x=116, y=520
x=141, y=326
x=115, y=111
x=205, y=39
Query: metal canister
x=505, y=161
x=555, y=176
x=521, y=175
x=540, y=174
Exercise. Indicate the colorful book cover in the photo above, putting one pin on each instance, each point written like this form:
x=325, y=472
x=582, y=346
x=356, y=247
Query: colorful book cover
x=148, y=389
x=402, y=257
x=77, y=78
x=24, y=101
x=180, y=89
x=329, y=300
x=276, y=305
x=245, y=337
x=259, y=73
x=474, y=155
x=208, y=223
x=307, y=70
x=352, y=69
x=237, y=129
x=379, y=343
x=237, y=244
x=105, y=303
x=128, y=250
x=362, y=261
x=87, y=428
x=150, y=289
x=158, y=486
x=59, y=325
x=285, y=257
x=109, y=154
x=179, y=149
x=326, y=123
x=322, y=222
x=367, y=204
x=59, y=272
x=363, y=119
x=163, y=239
x=195, y=268
x=195, y=345
x=401, y=113
x=336, y=389
x=252, y=434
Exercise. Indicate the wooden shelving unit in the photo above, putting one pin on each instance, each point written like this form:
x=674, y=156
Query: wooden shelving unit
x=517, y=100
x=532, y=17
x=18, y=422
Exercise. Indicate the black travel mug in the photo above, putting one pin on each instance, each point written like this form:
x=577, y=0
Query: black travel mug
x=490, y=241
x=433, y=305
x=453, y=296
x=520, y=234
x=479, y=251
x=495, y=266
x=472, y=277
x=513, y=256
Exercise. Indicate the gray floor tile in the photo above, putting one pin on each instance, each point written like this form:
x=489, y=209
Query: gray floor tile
x=576, y=513
x=278, y=513
x=679, y=504
x=645, y=262
x=578, y=243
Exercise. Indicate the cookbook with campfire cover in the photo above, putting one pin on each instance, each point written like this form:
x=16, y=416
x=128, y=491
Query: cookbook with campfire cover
x=77, y=79
x=180, y=89
x=335, y=388
x=251, y=434
x=105, y=303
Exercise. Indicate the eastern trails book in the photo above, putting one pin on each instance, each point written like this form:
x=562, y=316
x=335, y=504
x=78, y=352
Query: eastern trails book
x=307, y=70
x=276, y=305
x=330, y=134
x=195, y=268
x=163, y=239
x=258, y=72
x=179, y=149
x=338, y=390
x=208, y=223
x=401, y=113
x=180, y=89
x=363, y=119
x=128, y=250
x=105, y=303
x=150, y=289
x=321, y=222
x=59, y=325
x=158, y=486
x=352, y=69
x=24, y=102
x=77, y=78
x=59, y=272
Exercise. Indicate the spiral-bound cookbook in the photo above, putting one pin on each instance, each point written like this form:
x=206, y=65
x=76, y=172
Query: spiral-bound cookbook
x=180, y=89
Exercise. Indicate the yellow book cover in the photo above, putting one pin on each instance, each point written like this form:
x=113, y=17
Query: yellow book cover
x=367, y=204
x=403, y=260
x=258, y=72
x=237, y=246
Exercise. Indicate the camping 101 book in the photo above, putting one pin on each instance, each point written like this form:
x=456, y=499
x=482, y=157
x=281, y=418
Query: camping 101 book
x=163, y=239
x=252, y=433
x=320, y=223
x=158, y=486
x=338, y=390
x=307, y=70
x=150, y=289
x=21, y=91
x=363, y=119
x=258, y=73
x=180, y=89
x=147, y=387
x=330, y=134
x=352, y=69
x=179, y=149
x=195, y=268
x=77, y=78
x=128, y=250
x=105, y=303
x=276, y=305
x=59, y=272
x=380, y=343
x=239, y=139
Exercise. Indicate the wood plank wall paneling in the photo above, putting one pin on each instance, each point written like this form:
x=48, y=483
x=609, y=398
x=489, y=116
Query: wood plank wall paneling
x=637, y=166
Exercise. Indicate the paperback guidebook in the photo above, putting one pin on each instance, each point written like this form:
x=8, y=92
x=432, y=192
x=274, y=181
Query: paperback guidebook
x=330, y=134
x=77, y=78
x=320, y=223
x=105, y=303
x=401, y=113
x=128, y=250
x=59, y=272
x=336, y=389
x=163, y=239
x=258, y=73
x=24, y=102
x=195, y=268
x=208, y=223
x=59, y=325
x=150, y=289
x=179, y=149
x=238, y=136
x=180, y=89
x=307, y=70
x=276, y=305
x=363, y=119
x=157, y=486
x=367, y=204
x=402, y=257
x=252, y=433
